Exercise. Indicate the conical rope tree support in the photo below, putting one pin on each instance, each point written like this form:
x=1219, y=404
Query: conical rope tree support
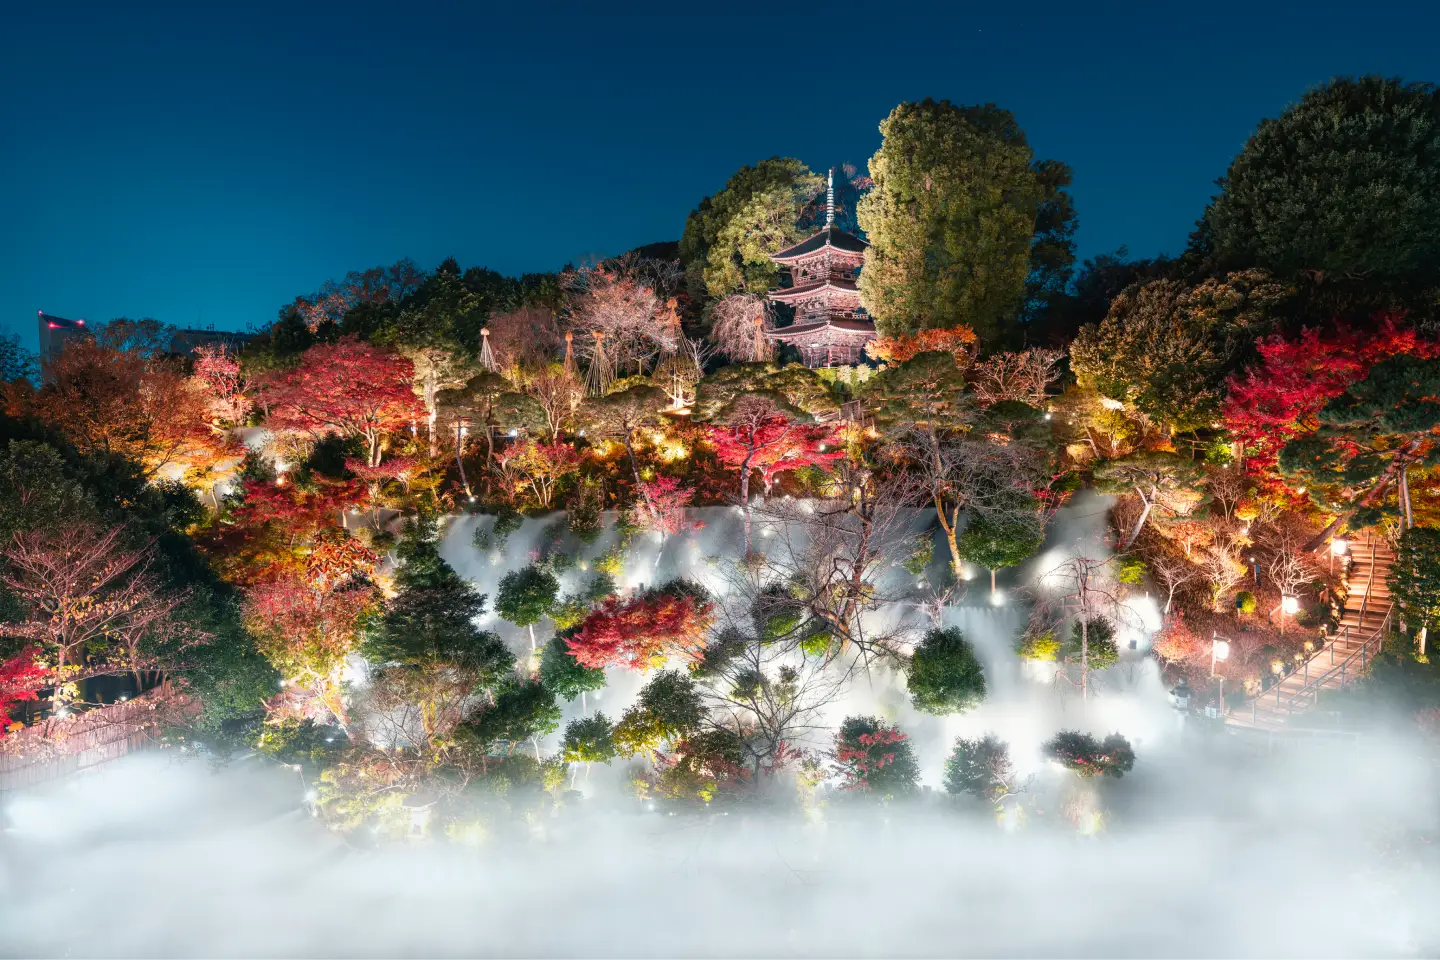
x=487, y=356
x=600, y=376
x=570, y=367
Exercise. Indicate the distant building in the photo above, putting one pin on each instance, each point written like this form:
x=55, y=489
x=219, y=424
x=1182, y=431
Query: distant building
x=830, y=327
x=56, y=332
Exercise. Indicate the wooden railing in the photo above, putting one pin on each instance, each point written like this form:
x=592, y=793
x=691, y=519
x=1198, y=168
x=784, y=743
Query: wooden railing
x=1346, y=670
x=59, y=746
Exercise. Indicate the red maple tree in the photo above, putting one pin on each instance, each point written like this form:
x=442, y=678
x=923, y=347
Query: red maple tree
x=348, y=388
x=21, y=678
x=642, y=632
x=218, y=372
x=757, y=437
x=1278, y=399
x=662, y=505
x=959, y=340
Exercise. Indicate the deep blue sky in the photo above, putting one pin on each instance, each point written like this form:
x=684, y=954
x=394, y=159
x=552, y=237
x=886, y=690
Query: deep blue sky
x=204, y=162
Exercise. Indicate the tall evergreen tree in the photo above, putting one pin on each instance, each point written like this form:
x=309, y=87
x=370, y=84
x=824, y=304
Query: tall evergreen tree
x=962, y=222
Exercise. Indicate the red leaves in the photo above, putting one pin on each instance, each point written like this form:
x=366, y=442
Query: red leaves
x=640, y=632
x=535, y=469
x=1279, y=399
x=350, y=388
x=773, y=445
x=21, y=677
x=663, y=502
x=857, y=763
x=959, y=340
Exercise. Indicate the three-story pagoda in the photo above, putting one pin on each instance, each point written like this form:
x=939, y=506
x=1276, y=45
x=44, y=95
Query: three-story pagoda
x=831, y=327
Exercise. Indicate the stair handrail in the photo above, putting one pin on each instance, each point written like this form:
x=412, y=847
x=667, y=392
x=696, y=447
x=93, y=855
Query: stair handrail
x=1312, y=687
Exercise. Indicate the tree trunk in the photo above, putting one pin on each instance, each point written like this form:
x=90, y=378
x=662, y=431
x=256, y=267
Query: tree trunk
x=460, y=460
x=634, y=464
x=1084, y=654
x=1140, y=523
x=745, y=500
x=992, y=579
x=1405, y=496
x=532, y=639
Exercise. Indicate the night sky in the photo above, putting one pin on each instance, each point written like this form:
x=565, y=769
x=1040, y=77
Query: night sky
x=203, y=163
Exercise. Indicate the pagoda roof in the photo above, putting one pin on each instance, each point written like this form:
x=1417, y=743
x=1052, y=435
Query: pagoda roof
x=831, y=237
x=805, y=289
x=849, y=325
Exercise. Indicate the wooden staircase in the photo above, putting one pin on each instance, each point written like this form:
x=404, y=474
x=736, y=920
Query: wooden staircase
x=1345, y=658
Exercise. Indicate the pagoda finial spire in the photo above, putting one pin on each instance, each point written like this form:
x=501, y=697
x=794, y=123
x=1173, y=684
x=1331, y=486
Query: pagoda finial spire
x=830, y=199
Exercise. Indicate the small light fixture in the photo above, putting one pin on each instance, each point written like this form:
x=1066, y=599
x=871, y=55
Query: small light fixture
x=1290, y=604
x=1339, y=547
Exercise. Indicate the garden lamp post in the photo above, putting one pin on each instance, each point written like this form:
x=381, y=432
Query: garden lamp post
x=1338, y=548
x=1219, y=651
x=1288, y=605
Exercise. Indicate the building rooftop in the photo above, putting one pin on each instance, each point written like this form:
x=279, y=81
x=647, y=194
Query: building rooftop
x=833, y=283
x=832, y=237
x=59, y=323
x=840, y=324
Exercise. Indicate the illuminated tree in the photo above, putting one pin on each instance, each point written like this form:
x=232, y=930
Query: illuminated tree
x=308, y=621
x=21, y=678
x=1001, y=539
x=630, y=314
x=588, y=740
x=960, y=342
x=738, y=324
x=1415, y=580
x=668, y=708
x=980, y=767
x=1024, y=377
x=347, y=388
x=219, y=370
x=945, y=676
x=761, y=432
x=873, y=757
x=796, y=384
x=109, y=401
x=522, y=710
x=921, y=404
x=91, y=605
x=1157, y=478
x=764, y=224
x=960, y=217
x=729, y=236
x=670, y=620
x=1093, y=639
x=623, y=413
x=1166, y=347
x=538, y=468
x=562, y=673
x=1280, y=397
x=662, y=507
x=558, y=392
x=429, y=655
x=1370, y=437
x=527, y=337
x=527, y=596
x=1088, y=757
